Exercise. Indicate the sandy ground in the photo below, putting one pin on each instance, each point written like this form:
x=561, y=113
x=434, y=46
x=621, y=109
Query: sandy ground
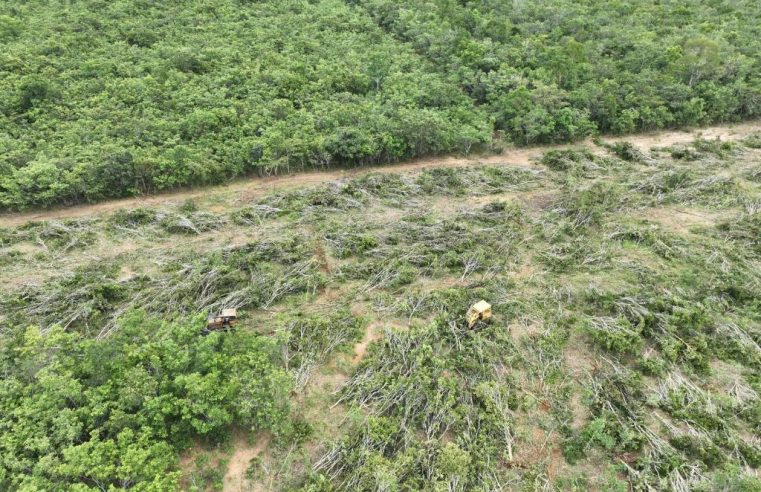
x=372, y=333
x=247, y=189
x=235, y=478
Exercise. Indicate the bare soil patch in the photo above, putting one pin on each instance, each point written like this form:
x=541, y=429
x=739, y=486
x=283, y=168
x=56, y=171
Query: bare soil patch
x=372, y=333
x=681, y=220
x=525, y=328
x=235, y=478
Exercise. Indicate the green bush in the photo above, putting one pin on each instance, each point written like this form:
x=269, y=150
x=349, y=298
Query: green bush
x=685, y=153
x=348, y=244
x=699, y=448
x=132, y=218
x=716, y=146
x=124, y=407
x=753, y=140
x=193, y=223
x=604, y=433
x=564, y=160
x=588, y=206
x=627, y=151
x=124, y=103
x=616, y=335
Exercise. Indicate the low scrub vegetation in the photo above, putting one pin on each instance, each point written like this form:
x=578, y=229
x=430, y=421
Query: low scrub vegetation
x=623, y=352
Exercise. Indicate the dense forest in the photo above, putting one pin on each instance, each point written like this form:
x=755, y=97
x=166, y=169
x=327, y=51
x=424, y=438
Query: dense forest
x=113, y=414
x=107, y=99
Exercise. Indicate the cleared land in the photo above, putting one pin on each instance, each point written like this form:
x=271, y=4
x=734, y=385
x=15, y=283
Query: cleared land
x=624, y=351
x=238, y=193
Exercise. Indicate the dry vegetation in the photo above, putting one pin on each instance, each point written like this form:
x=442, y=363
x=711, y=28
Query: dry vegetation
x=624, y=353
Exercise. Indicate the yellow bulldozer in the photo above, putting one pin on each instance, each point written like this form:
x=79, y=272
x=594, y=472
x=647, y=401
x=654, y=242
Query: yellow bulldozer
x=478, y=312
x=221, y=322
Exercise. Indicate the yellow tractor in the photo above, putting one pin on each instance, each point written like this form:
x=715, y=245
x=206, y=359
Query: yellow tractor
x=222, y=321
x=477, y=312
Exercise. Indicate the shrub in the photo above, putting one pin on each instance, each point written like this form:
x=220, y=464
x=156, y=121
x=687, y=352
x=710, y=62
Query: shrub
x=716, y=146
x=348, y=244
x=563, y=160
x=617, y=335
x=132, y=218
x=699, y=448
x=753, y=140
x=125, y=406
x=192, y=223
x=684, y=153
x=587, y=206
x=188, y=62
x=34, y=90
x=10, y=28
x=627, y=151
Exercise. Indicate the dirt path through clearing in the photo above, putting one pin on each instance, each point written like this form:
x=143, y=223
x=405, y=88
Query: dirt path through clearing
x=250, y=188
x=235, y=478
x=372, y=333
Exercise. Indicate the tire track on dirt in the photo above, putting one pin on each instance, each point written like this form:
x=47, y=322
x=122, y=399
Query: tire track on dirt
x=250, y=188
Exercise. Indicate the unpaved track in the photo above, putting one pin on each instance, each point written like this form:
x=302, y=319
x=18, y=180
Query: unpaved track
x=250, y=188
x=235, y=477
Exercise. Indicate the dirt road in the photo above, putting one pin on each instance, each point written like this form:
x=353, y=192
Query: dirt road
x=250, y=188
